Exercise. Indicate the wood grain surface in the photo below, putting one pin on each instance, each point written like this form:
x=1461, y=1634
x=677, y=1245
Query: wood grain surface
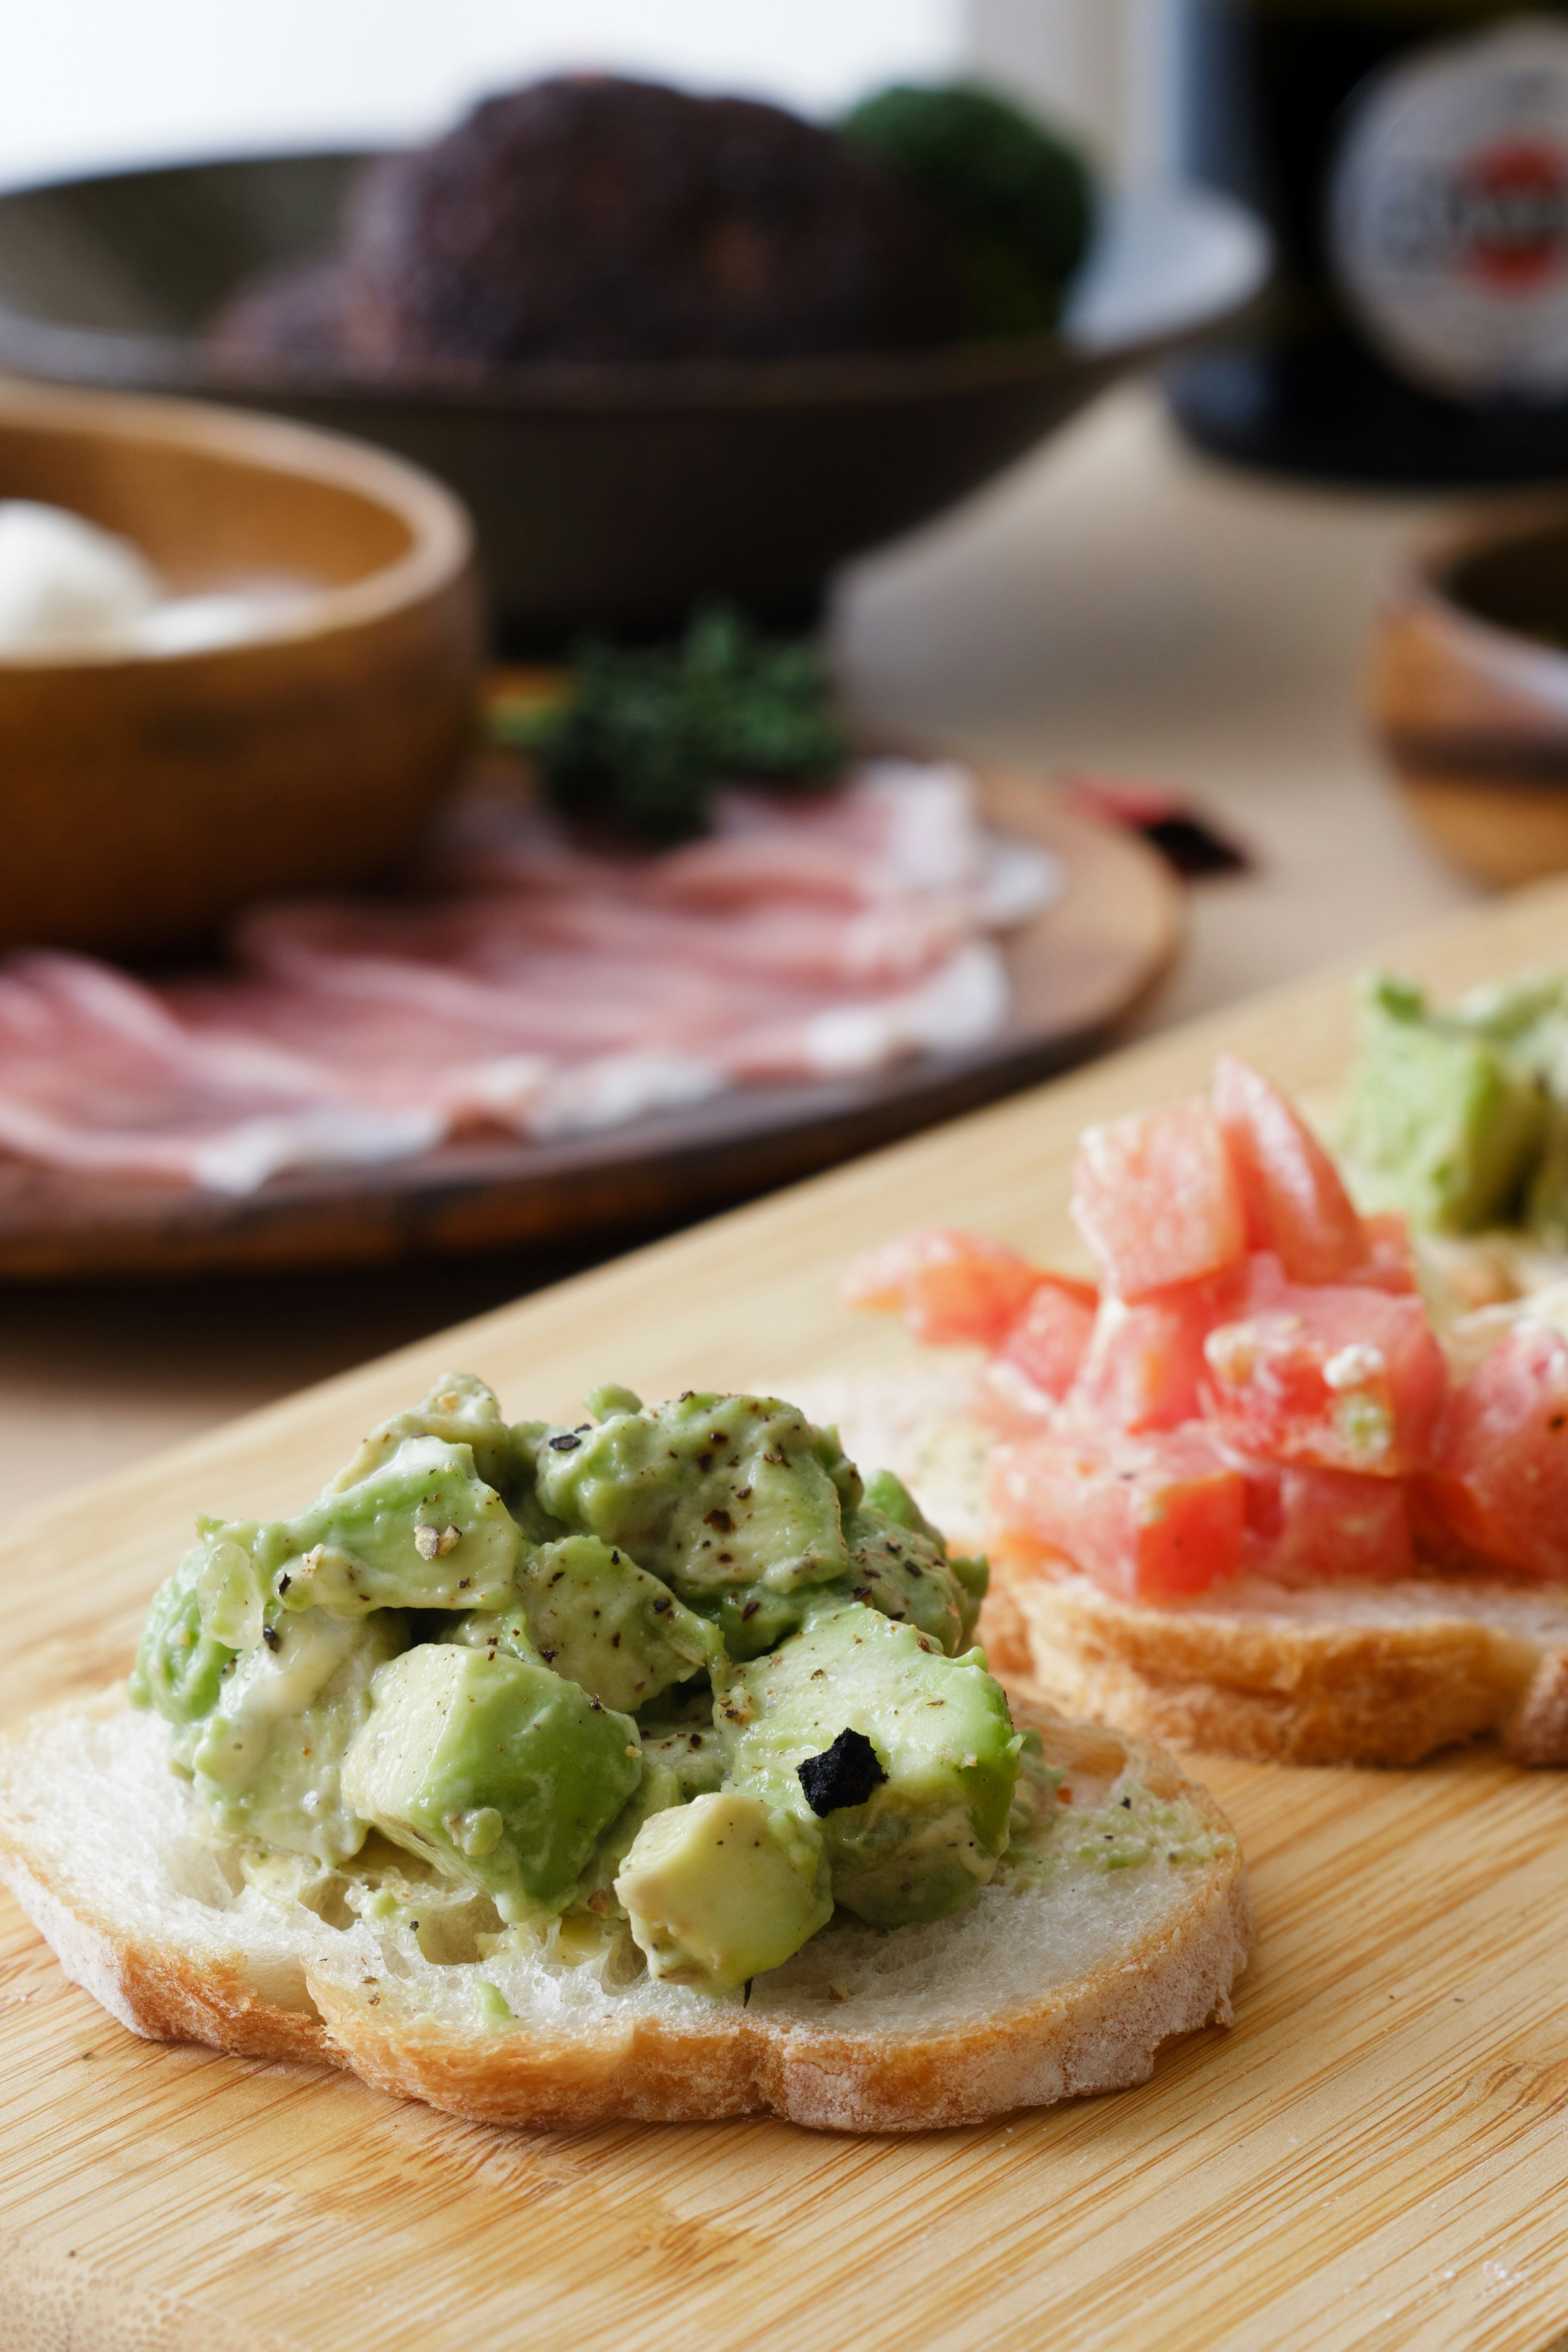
x=1077, y=969
x=1376, y=2154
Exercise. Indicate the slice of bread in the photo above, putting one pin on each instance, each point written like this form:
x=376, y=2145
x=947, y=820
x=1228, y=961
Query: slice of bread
x=1063, y=1976
x=1346, y=1672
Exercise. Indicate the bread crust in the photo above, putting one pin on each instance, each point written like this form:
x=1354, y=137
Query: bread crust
x=1096, y=2032
x=1281, y=1688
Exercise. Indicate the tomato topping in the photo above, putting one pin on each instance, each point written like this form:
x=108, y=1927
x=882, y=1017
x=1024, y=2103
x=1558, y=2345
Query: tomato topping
x=1310, y=1526
x=1144, y=1363
x=1390, y=1263
x=1334, y=1374
x=1496, y=1492
x=1038, y=1361
x=1156, y=1199
x=949, y=1286
x=1144, y=1516
x=1291, y=1194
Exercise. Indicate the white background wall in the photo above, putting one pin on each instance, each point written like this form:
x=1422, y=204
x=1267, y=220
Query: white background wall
x=88, y=81
x=95, y=83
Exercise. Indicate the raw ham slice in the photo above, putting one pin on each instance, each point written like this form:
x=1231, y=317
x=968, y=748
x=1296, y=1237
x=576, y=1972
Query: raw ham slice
x=540, y=987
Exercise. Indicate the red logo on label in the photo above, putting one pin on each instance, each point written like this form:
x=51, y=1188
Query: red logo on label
x=1510, y=214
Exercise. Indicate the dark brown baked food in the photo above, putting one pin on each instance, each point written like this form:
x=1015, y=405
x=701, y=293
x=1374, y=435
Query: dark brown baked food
x=594, y=218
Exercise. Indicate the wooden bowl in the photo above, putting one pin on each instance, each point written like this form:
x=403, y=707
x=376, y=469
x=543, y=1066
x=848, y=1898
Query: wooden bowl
x=144, y=797
x=612, y=494
x=1469, y=690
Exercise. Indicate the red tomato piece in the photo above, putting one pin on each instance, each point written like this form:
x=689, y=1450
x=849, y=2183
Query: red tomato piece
x=1496, y=1492
x=1144, y=1516
x=1144, y=1363
x=950, y=1288
x=1294, y=1202
x=1333, y=1374
x=1390, y=1263
x=1038, y=1361
x=1156, y=1199
x=1306, y=1525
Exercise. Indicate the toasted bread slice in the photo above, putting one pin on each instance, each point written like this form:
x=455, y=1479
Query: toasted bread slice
x=1064, y=1976
x=1344, y=1673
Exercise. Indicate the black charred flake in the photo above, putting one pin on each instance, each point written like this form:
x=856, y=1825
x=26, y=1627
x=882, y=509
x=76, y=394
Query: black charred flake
x=844, y=1774
x=567, y=1442
x=269, y=1634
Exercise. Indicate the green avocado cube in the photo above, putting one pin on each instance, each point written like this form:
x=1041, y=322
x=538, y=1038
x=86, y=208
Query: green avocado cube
x=461, y=1411
x=498, y=1771
x=722, y=1888
x=1444, y=1121
x=423, y=1531
x=179, y=1663
x=899, y=1564
x=918, y=1840
x=709, y=1492
x=598, y=1618
x=268, y=1759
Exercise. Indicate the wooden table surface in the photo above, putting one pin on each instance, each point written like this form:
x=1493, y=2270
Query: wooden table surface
x=1112, y=603
x=1374, y=2157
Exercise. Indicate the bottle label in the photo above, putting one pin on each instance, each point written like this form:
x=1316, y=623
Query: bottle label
x=1448, y=213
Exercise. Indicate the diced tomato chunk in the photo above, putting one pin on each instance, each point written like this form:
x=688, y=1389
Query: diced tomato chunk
x=1294, y=1202
x=949, y=1286
x=1038, y=1360
x=1390, y=1262
x=1143, y=1364
x=1333, y=1374
x=1306, y=1525
x=1144, y=1516
x=1155, y=1197
x=1496, y=1492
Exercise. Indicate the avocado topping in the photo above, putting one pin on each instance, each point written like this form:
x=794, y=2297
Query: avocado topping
x=675, y=1676
x=1460, y=1119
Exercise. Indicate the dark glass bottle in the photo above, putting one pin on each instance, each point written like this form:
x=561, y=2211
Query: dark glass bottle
x=1411, y=159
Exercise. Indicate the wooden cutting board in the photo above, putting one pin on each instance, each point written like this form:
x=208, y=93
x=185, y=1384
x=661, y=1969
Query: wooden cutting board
x=1376, y=2155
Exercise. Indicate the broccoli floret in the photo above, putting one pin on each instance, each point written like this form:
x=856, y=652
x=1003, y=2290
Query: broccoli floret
x=643, y=735
x=1019, y=200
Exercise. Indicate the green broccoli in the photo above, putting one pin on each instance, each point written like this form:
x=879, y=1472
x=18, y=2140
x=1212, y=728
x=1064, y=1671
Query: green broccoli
x=1018, y=200
x=643, y=735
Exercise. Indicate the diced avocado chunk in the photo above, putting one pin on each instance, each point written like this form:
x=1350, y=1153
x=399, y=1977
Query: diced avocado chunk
x=1445, y=1121
x=655, y=1792
x=461, y=1411
x=899, y=1564
x=422, y=1531
x=592, y=1614
x=710, y=1493
x=694, y=1753
x=178, y=1662
x=1546, y=1203
x=931, y=1830
x=501, y=1773
x=267, y=1761
x=722, y=1888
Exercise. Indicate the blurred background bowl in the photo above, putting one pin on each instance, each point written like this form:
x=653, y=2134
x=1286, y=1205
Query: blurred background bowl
x=616, y=494
x=144, y=796
x=1469, y=690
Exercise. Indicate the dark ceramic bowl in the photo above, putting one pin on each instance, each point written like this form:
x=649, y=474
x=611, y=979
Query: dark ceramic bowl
x=609, y=494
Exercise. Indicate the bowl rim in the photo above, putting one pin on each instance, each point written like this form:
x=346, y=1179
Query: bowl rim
x=181, y=363
x=1426, y=577
x=442, y=540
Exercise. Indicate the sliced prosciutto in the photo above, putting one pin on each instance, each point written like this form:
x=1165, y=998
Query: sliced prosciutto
x=537, y=986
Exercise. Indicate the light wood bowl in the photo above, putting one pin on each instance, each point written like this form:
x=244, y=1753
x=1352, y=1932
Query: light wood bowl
x=144, y=797
x=1469, y=690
